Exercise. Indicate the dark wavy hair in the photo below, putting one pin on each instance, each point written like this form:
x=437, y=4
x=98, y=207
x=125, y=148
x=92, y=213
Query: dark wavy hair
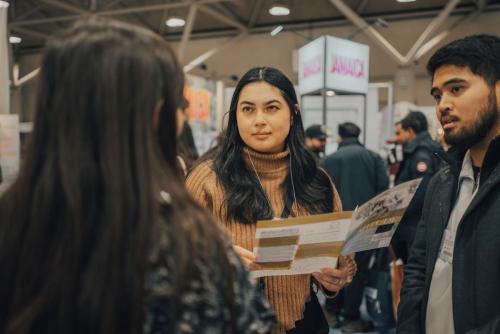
x=480, y=53
x=245, y=198
x=80, y=224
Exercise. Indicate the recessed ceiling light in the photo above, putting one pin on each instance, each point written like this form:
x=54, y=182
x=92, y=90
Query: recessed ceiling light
x=406, y=0
x=175, y=22
x=279, y=10
x=4, y=4
x=15, y=40
x=330, y=93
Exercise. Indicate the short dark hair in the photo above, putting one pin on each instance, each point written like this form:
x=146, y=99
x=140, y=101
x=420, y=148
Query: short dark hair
x=480, y=53
x=349, y=130
x=416, y=121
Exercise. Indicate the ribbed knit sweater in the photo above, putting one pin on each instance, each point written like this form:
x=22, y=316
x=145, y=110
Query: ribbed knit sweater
x=287, y=294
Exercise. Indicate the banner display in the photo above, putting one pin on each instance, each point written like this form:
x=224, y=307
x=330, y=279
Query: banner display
x=347, y=65
x=345, y=69
x=199, y=103
x=311, y=66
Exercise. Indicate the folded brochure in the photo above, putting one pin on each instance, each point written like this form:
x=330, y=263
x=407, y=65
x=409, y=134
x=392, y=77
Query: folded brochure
x=303, y=245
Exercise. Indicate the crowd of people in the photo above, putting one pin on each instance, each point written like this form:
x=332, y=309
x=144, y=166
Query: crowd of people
x=115, y=225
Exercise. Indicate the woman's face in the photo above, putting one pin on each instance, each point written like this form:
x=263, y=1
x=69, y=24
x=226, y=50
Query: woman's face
x=263, y=117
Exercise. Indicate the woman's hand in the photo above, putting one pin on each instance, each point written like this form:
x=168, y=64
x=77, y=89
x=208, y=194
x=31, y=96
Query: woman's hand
x=247, y=257
x=336, y=279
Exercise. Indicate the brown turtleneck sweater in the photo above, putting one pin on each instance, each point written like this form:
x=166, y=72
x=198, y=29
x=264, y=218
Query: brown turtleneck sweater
x=287, y=294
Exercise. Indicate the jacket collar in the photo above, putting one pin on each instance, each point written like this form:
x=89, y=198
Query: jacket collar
x=455, y=155
x=349, y=141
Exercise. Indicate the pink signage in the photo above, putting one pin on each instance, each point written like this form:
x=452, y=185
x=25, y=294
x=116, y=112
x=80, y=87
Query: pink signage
x=347, y=66
x=312, y=67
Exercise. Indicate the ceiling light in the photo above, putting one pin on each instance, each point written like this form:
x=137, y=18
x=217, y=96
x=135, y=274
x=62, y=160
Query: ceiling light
x=276, y=30
x=15, y=40
x=406, y=0
x=4, y=4
x=279, y=10
x=330, y=93
x=175, y=22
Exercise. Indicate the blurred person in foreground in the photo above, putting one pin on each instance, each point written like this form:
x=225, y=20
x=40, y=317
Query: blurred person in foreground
x=263, y=171
x=97, y=233
x=315, y=140
x=451, y=282
x=359, y=174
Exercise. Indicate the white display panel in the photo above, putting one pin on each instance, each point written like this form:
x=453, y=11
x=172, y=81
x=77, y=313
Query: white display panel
x=347, y=65
x=311, y=66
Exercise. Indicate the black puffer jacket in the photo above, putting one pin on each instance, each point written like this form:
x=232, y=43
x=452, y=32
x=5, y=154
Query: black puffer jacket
x=418, y=158
x=476, y=259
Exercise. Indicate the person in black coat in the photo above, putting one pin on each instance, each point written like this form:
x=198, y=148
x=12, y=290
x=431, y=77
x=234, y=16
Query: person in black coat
x=419, y=161
x=359, y=175
x=451, y=282
x=418, y=148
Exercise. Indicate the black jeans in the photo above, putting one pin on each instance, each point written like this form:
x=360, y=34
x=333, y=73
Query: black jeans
x=314, y=321
x=353, y=293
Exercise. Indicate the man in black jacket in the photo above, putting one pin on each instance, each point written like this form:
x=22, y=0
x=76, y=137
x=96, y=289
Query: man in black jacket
x=418, y=148
x=359, y=174
x=419, y=160
x=452, y=279
x=315, y=140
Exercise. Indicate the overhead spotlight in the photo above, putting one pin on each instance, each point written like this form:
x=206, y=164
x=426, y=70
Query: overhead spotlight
x=15, y=40
x=4, y=4
x=330, y=93
x=175, y=22
x=406, y=0
x=279, y=9
x=276, y=30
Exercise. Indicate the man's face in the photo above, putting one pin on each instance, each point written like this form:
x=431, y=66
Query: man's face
x=466, y=106
x=402, y=136
x=316, y=144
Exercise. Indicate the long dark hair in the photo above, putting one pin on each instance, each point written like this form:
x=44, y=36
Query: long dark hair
x=246, y=201
x=81, y=221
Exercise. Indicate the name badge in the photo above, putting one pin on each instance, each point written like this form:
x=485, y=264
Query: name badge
x=447, y=245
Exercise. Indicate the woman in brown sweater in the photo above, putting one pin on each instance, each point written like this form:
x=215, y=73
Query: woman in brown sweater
x=263, y=170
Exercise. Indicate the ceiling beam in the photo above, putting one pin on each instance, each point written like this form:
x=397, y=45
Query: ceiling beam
x=163, y=25
x=112, y=12
x=110, y=4
x=30, y=32
x=361, y=6
x=369, y=30
x=206, y=55
x=255, y=13
x=66, y=6
x=431, y=29
x=30, y=11
x=186, y=34
x=221, y=17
